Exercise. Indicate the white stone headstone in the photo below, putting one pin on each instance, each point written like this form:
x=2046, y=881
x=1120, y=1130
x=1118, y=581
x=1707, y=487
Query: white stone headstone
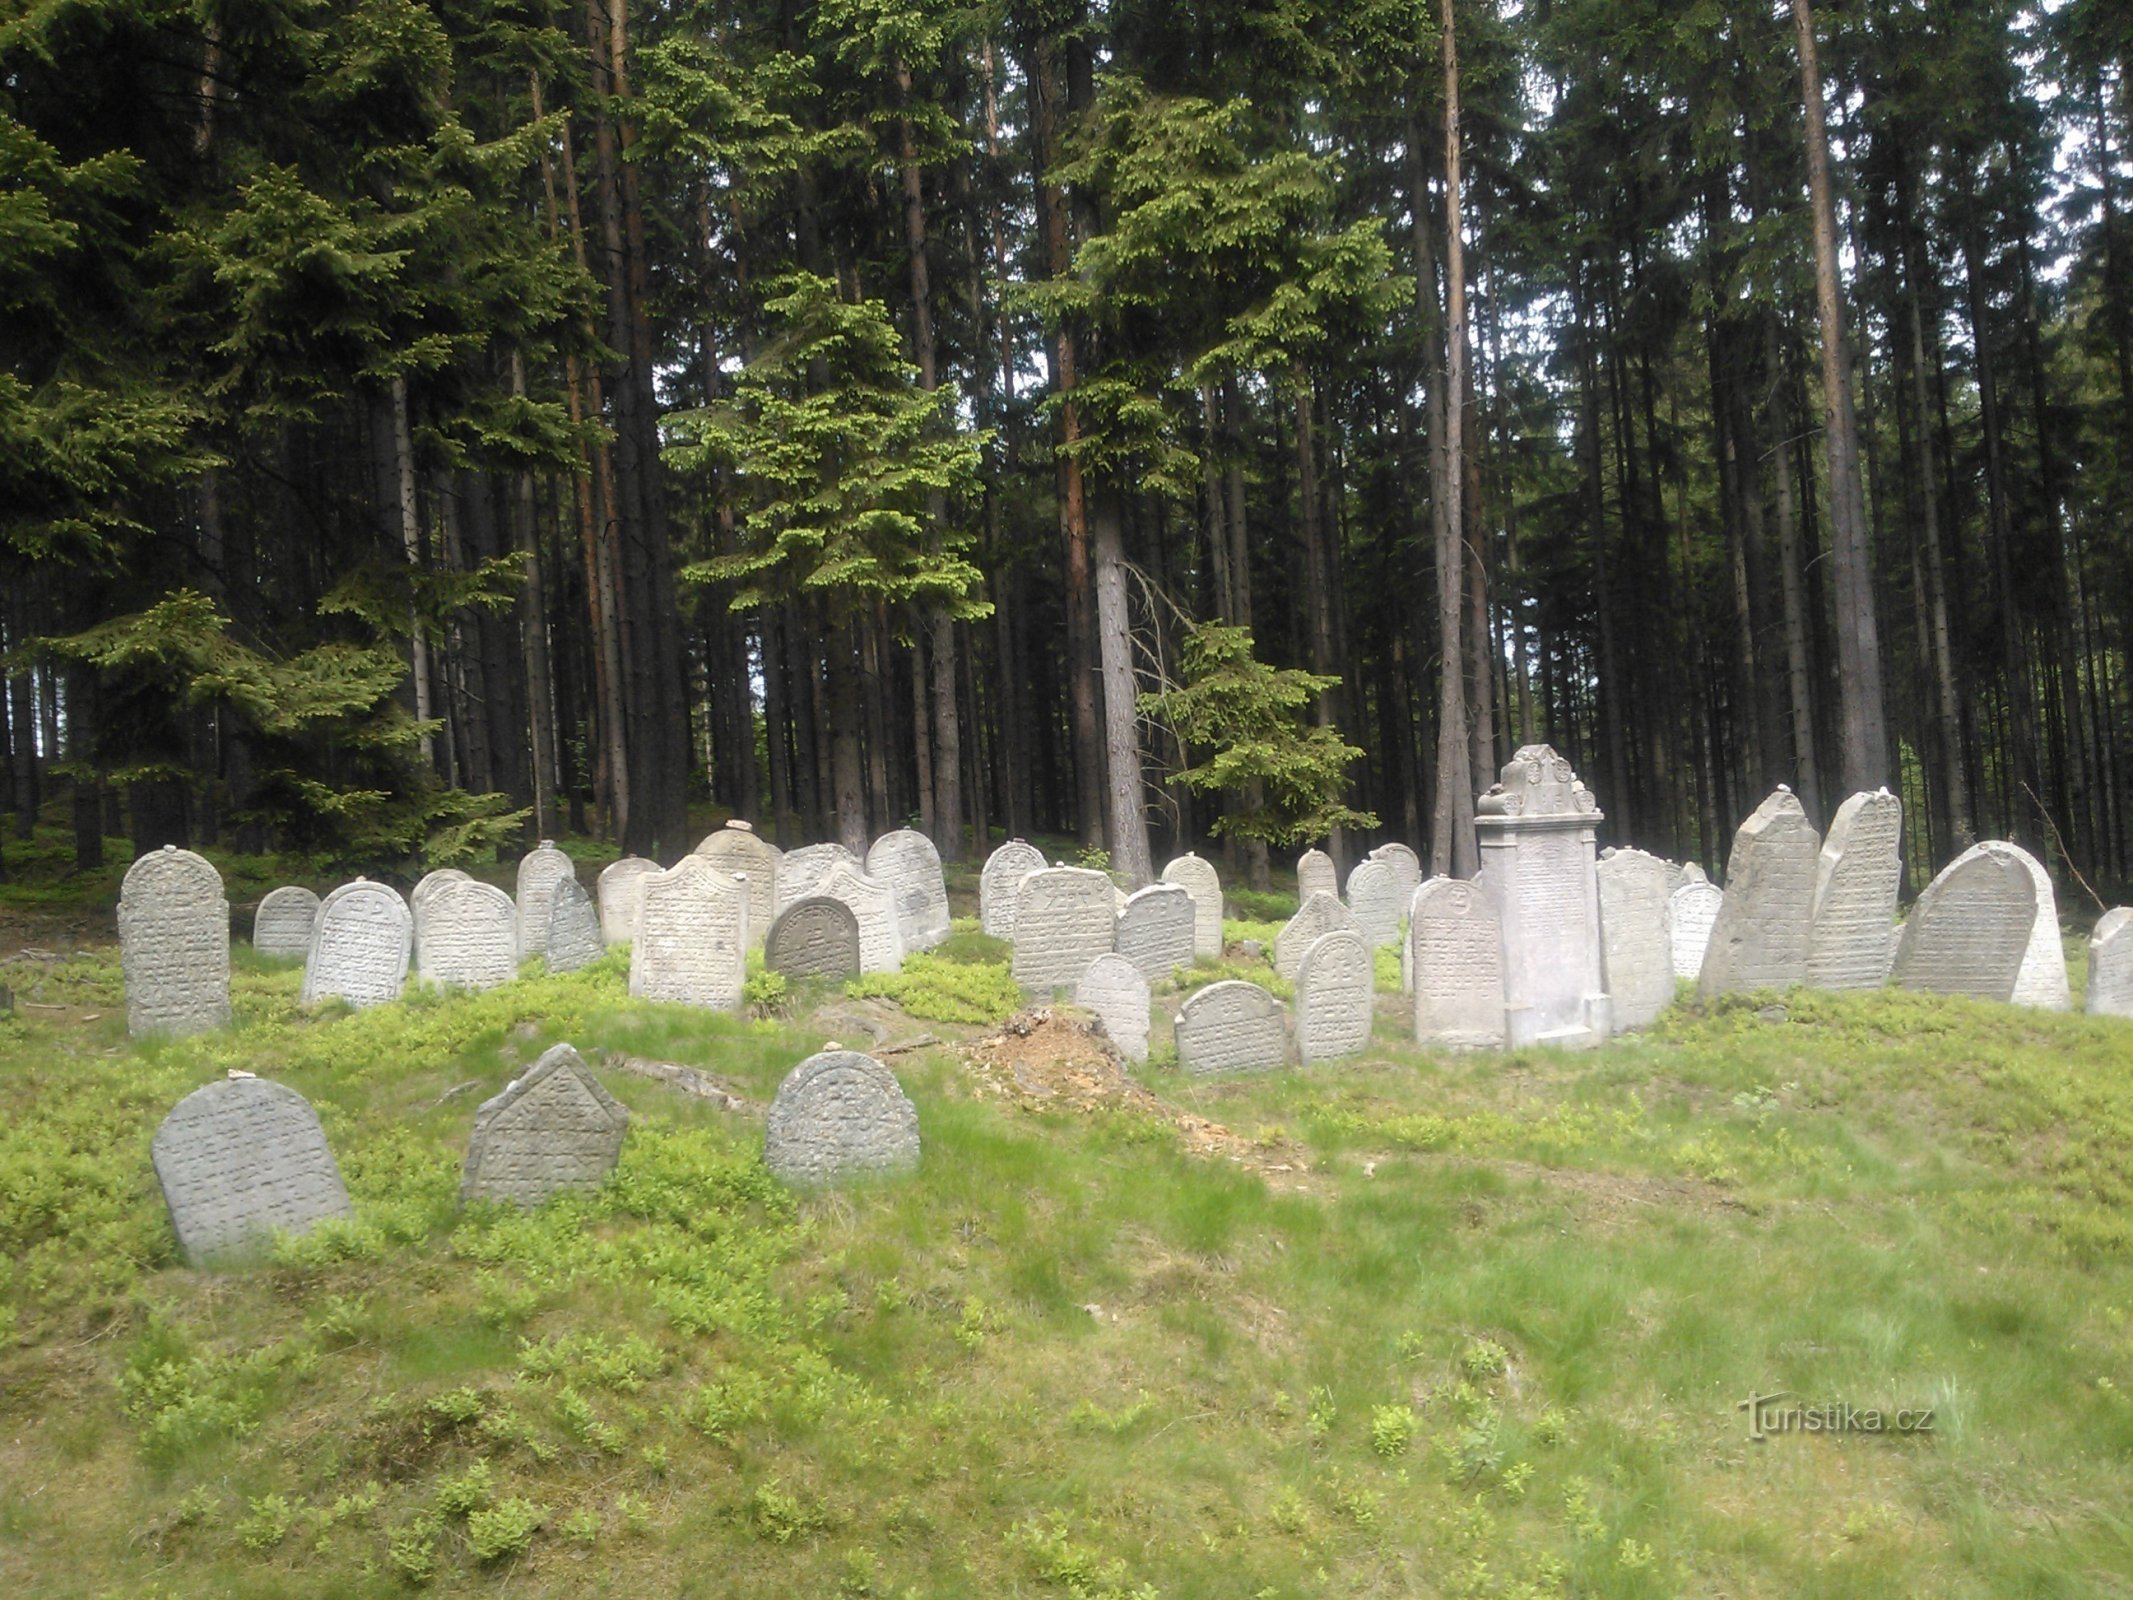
x=174, y=944
x=1155, y=930
x=240, y=1161
x=1693, y=910
x=1064, y=919
x=1320, y=915
x=428, y=883
x=1968, y=932
x=840, y=1115
x=1535, y=827
x=360, y=951
x=873, y=904
x=2111, y=965
x=1232, y=1026
x=907, y=862
x=1456, y=955
x=1375, y=899
x=2043, y=981
x=1199, y=879
x=1335, y=997
x=1761, y=936
x=817, y=937
x=466, y=936
x=1636, y=936
x=692, y=938
x=621, y=890
x=574, y=936
x=554, y=1130
x=538, y=870
x=1316, y=874
x=1406, y=869
x=1114, y=989
x=1004, y=871
x=282, y=924
x=801, y=871
x=1852, y=936
x=738, y=850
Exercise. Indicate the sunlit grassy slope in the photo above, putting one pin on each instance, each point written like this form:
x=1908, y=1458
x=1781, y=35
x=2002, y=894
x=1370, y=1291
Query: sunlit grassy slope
x=1449, y=1326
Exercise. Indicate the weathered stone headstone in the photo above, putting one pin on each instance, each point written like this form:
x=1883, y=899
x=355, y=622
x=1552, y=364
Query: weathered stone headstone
x=840, y=1115
x=1406, y=870
x=574, y=936
x=1455, y=951
x=2042, y=981
x=1967, y=932
x=1535, y=827
x=1692, y=872
x=907, y=862
x=1004, y=871
x=2111, y=965
x=428, y=883
x=1199, y=879
x=1693, y=910
x=801, y=871
x=1114, y=989
x=360, y=952
x=174, y=944
x=1852, y=936
x=1320, y=915
x=739, y=851
x=1232, y=1026
x=552, y=1130
x=240, y=1161
x=1375, y=900
x=621, y=890
x=1155, y=930
x=539, y=869
x=1335, y=996
x=466, y=936
x=1316, y=874
x=282, y=924
x=1761, y=936
x=817, y=937
x=1064, y=919
x=881, y=940
x=692, y=938
x=1636, y=936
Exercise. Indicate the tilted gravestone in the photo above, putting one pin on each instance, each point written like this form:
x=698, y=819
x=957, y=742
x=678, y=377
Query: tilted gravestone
x=1064, y=919
x=574, y=936
x=1114, y=989
x=1316, y=874
x=1335, y=996
x=621, y=890
x=282, y=925
x=1636, y=936
x=1968, y=932
x=174, y=944
x=1455, y=950
x=466, y=936
x=240, y=1161
x=539, y=870
x=817, y=937
x=1535, y=827
x=1232, y=1026
x=738, y=850
x=1852, y=933
x=2042, y=981
x=1004, y=871
x=1406, y=869
x=1199, y=879
x=360, y=952
x=881, y=940
x=1155, y=930
x=840, y=1115
x=2111, y=965
x=1761, y=936
x=552, y=1130
x=429, y=883
x=907, y=862
x=801, y=871
x=1320, y=915
x=1693, y=911
x=1375, y=899
x=692, y=938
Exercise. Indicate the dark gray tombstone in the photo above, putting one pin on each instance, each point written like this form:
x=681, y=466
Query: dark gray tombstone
x=552, y=1130
x=817, y=937
x=240, y=1161
x=840, y=1115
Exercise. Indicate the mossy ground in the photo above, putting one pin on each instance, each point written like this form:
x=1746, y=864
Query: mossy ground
x=1481, y=1331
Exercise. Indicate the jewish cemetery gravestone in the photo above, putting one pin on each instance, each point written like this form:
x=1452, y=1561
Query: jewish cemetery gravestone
x=840, y=1115
x=739, y=851
x=539, y=870
x=1115, y=991
x=1320, y=915
x=801, y=871
x=1760, y=938
x=1155, y=930
x=1535, y=827
x=574, y=936
x=907, y=862
x=2042, y=982
x=466, y=936
x=1455, y=950
x=1335, y=996
x=817, y=937
x=1406, y=869
x=1316, y=874
x=554, y=1129
x=1004, y=871
x=428, y=883
x=692, y=938
x=1692, y=872
x=1199, y=879
x=1852, y=932
x=881, y=940
x=1232, y=1026
x=1064, y=919
x=282, y=924
x=1693, y=910
x=240, y=1161
x=621, y=892
x=2111, y=965
x=1968, y=932
x=1636, y=936
x=360, y=951
x=174, y=944
x=1375, y=900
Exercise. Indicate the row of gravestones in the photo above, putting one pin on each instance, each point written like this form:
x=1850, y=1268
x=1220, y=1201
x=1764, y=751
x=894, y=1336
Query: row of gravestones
x=244, y=1159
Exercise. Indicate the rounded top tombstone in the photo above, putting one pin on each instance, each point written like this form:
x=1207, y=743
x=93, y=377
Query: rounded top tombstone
x=839, y=1115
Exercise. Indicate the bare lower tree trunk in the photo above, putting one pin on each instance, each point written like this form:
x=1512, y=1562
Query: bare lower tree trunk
x=1452, y=845
x=1125, y=814
x=1806, y=775
x=411, y=543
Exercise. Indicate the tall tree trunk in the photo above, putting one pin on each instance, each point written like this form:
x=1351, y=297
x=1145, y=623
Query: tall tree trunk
x=1805, y=765
x=1125, y=812
x=1452, y=846
x=411, y=544
x=533, y=626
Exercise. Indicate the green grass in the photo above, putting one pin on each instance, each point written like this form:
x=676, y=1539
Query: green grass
x=1463, y=1326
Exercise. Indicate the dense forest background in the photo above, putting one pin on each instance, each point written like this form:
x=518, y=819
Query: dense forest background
x=426, y=425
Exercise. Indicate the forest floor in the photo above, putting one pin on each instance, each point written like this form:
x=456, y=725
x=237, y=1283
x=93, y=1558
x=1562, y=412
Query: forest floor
x=1416, y=1324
